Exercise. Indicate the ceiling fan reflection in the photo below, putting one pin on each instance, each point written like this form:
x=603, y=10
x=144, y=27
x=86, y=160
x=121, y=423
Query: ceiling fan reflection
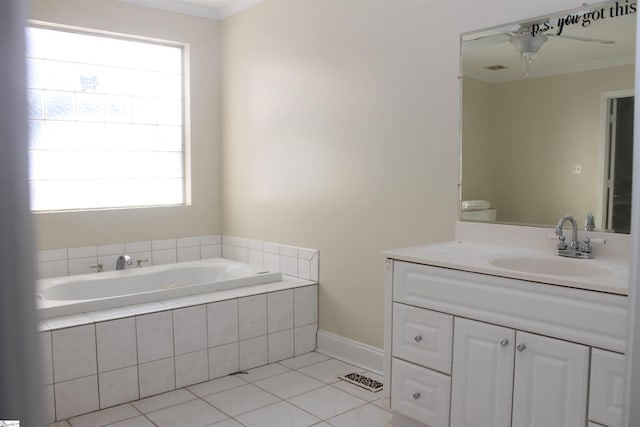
x=527, y=38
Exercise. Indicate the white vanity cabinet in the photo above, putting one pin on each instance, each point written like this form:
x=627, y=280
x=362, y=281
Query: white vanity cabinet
x=472, y=350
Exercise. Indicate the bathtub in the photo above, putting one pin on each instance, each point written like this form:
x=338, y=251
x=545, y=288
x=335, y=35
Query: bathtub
x=68, y=295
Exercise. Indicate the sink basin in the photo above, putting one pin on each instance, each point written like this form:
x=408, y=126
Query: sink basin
x=551, y=266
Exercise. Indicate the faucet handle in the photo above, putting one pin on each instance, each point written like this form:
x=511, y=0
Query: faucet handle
x=562, y=245
x=140, y=261
x=587, y=242
x=97, y=266
x=590, y=222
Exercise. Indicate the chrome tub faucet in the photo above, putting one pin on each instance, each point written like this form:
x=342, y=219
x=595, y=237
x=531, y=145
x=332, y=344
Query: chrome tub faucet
x=122, y=262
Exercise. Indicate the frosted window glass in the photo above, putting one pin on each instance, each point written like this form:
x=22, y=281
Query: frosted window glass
x=145, y=83
x=62, y=135
x=171, y=85
x=36, y=104
x=59, y=105
x=90, y=107
x=170, y=138
x=36, y=134
x=143, y=138
x=106, y=121
x=35, y=43
x=61, y=75
x=144, y=110
x=36, y=73
x=169, y=112
x=117, y=109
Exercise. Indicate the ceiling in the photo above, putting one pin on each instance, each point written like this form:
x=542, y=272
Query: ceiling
x=558, y=55
x=213, y=9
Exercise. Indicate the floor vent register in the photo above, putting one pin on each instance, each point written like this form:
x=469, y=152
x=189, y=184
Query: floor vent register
x=362, y=381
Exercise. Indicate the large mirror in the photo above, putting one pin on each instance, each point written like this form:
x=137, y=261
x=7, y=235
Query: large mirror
x=547, y=118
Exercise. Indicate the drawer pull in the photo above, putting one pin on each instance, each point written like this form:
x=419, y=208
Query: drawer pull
x=504, y=342
x=521, y=347
x=417, y=338
x=416, y=395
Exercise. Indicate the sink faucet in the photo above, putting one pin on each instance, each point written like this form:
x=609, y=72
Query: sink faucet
x=574, y=232
x=575, y=249
x=120, y=262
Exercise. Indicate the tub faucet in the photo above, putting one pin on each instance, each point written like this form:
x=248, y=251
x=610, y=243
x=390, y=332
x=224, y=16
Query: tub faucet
x=120, y=262
x=574, y=249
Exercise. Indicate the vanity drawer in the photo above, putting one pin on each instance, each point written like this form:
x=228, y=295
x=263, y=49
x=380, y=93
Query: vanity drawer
x=420, y=393
x=606, y=387
x=423, y=337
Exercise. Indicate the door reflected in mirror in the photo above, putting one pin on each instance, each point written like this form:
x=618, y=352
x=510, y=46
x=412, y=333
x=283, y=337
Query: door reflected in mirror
x=547, y=118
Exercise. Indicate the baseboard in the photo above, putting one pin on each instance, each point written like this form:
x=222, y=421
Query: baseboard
x=353, y=352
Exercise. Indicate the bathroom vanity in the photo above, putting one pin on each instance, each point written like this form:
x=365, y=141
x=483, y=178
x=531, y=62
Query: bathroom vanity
x=494, y=329
x=472, y=339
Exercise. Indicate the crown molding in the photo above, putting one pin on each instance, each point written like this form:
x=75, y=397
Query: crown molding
x=185, y=8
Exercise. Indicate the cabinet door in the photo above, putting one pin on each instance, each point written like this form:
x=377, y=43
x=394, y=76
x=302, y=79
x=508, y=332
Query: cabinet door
x=482, y=381
x=607, y=387
x=550, y=383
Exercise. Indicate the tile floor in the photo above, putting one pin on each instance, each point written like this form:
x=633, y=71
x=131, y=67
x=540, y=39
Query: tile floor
x=301, y=391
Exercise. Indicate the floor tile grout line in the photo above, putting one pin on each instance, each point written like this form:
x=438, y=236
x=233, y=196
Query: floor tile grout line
x=68, y=420
x=128, y=418
x=281, y=399
x=219, y=409
x=287, y=400
x=246, y=412
x=290, y=403
x=170, y=406
x=211, y=394
x=295, y=395
x=335, y=415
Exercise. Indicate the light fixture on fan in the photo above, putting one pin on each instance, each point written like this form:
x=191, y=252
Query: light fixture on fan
x=528, y=44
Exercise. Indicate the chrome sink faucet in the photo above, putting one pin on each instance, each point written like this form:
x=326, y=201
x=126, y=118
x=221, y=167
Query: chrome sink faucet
x=574, y=249
x=121, y=261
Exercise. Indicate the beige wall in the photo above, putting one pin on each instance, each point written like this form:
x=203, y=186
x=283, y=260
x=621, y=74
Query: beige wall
x=538, y=128
x=59, y=230
x=341, y=124
x=477, y=133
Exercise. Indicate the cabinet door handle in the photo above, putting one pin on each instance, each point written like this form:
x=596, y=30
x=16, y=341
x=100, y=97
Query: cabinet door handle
x=415, y=395
x=521, y=347
x=504, y=342
x=417, y=338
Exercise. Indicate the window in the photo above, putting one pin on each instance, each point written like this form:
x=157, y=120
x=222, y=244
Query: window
x=106, y=121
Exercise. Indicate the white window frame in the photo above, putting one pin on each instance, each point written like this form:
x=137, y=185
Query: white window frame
x=184, y=125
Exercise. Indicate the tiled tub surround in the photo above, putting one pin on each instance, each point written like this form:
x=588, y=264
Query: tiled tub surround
x=102, y=359
x=291, y=260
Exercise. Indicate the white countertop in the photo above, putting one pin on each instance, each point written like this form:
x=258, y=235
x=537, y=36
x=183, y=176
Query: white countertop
x=477, y=257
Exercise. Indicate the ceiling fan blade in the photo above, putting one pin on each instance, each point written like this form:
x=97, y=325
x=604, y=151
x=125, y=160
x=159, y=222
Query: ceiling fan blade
x=486, y=40
x=583, y=39
x=514, y=28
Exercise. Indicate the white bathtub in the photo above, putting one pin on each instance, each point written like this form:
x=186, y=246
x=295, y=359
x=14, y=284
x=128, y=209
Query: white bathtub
x=88, y=292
